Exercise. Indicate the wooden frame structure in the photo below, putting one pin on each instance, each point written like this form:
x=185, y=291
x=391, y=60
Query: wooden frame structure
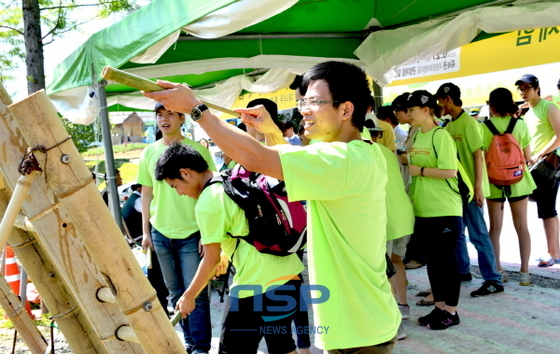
x=70, y=245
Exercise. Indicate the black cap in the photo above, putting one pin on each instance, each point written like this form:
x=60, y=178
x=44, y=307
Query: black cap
x=158, y=106
x=399, y=103
x=369, y=124
x=558, y=85
x=421, y=98
x=528, y=79
x=449, y=89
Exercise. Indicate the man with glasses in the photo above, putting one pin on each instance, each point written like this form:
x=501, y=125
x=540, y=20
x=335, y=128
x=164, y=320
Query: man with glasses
x=467, y=134
x=543, y=120
x=343, y=178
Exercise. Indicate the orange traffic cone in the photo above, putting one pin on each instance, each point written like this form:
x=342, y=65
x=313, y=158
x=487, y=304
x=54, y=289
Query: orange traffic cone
x=12, y=275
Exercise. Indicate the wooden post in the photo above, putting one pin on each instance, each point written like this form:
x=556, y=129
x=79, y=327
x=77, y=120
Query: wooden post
x=58, y=262
x=71, y=185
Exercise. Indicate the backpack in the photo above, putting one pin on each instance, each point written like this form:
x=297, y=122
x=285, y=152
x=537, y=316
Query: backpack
x=276, y=226
x=504, y=159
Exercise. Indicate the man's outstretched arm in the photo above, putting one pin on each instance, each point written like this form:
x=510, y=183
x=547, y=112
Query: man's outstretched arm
x=237, y=144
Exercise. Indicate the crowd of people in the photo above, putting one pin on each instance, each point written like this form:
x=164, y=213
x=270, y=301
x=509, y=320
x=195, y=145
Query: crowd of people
x=377, y=196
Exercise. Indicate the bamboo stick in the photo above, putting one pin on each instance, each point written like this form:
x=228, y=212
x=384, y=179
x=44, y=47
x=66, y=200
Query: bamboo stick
x=7, y=224
x=21, y=320
x=71, y=184
x=143, y=84
x=55, y=258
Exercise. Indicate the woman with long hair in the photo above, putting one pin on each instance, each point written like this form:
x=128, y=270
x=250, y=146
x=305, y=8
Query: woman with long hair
x=502, y=109
x=437, y=206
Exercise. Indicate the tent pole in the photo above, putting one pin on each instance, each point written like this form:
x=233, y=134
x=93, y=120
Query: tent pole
x=114, y=204
x=378, y=95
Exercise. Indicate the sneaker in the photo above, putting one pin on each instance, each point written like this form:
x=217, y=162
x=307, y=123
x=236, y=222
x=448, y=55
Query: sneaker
x=425, y=320
x=413, y=265
x=488, y=288
x=543, y=263
x=444, y=321
x=465, y=277
x=401, y=334
x=405, y=311
x=505, y=276
x=524, y=279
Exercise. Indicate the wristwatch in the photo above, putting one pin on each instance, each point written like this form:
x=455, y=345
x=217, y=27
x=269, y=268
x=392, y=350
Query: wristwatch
x=196, y=113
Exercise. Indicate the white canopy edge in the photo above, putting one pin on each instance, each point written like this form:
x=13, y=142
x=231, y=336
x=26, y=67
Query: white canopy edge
x=383, y=51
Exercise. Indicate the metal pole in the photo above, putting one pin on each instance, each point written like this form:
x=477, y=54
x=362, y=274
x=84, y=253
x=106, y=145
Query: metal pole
x=114, y=204
x=378, y=95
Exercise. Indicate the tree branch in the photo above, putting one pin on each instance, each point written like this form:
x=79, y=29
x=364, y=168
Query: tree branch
x=75, y=6
x=11, y=28
x=67, y=30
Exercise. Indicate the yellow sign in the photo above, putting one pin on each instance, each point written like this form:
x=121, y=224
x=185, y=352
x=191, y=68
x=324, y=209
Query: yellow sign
x=284, y=98
x=508, y=51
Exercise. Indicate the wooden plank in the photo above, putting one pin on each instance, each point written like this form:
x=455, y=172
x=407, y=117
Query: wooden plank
x=90, y=323
x=73, y=188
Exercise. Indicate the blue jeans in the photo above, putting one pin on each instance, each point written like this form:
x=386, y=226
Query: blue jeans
x=179, y=259
x=473, y=219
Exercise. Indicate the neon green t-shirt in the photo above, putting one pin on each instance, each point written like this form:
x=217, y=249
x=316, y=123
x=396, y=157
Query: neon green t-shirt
x=521, y=134
x=540, y=128
x=218, y=217
x=170, y=213
x=345, y=185
x=400, y=216
x=433, y=197
x=556, y=100
x=467, y=133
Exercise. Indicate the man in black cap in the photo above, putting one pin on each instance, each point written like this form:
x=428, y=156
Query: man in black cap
x=543, y=121
x=467, y=134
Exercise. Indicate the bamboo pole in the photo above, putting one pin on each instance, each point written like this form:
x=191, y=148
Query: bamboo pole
x=55, y=258
x=11, y=213
x=20, y=319
x=71, y=185
x=143, y=84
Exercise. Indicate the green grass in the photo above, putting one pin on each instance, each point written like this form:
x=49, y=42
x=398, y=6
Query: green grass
x=7, y=323
x=116, y=148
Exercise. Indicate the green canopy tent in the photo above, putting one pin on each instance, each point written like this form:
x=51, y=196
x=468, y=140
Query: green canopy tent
x=201, y=43
x=226, y=41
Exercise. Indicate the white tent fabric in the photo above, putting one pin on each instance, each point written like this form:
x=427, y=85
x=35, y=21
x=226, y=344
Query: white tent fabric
x=383, y=51
x=79, y=105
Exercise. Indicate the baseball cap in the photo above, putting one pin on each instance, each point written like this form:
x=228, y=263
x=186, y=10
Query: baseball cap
x=474, y=112
x=421, y=98
x=158, y=106
x=399, y=103
x=528, y=79
x=448, y=89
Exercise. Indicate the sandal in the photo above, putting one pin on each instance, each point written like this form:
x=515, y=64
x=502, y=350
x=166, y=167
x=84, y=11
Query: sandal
x=544, y=263
x=424, y=293
x=425, y=303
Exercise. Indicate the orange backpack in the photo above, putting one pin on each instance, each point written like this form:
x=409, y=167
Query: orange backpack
x=505, y=161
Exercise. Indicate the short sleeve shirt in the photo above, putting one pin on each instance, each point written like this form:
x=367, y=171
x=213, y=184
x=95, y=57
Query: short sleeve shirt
x=521, y=134
x=434, y=197
x=170, y=213
x=218, y=217
x=540, y=128
x=467, y=133
x=344, y=184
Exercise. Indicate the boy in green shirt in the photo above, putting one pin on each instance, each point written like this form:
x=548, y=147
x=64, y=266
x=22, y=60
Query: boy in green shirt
x=220, y=218
x=170, y=228
x=467, y=133
x=343, y=178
